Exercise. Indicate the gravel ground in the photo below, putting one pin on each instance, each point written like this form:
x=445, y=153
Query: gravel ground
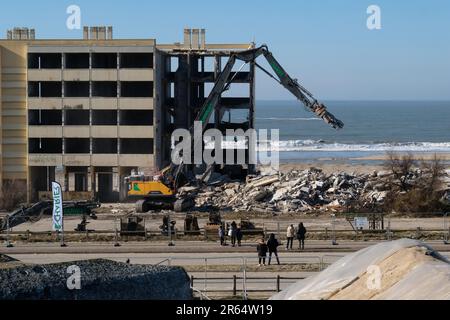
x=100, y=280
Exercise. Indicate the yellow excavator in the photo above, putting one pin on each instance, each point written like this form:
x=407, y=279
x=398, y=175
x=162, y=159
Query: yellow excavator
x=161, y=191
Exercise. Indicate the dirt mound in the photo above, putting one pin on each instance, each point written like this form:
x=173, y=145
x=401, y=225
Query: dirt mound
x=399, y=270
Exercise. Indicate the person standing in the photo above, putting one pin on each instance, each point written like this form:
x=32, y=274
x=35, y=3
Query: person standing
x=301, y=234
x=262, y=252
x=232, y=233
x=222, y=236
x=290, y=234
x=272, y=245
x=239, y=236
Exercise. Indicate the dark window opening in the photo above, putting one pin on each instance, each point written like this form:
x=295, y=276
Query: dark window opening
x=104, y=117
x=104, y=60
x=136, y=60
x=77, y=60
x=74, y=89
x=136, y=146
x=44, y=117
x=33, y=89
x=77, y=145
x=44, y=61
x=137, y=89
x=44, y=146
x=104, y=146
x=76, y=117
x=50, y=89
x=81, y=182
x=105, y=89
x=136, y=117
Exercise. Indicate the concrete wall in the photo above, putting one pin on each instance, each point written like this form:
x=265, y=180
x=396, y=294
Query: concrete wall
x=13, y=83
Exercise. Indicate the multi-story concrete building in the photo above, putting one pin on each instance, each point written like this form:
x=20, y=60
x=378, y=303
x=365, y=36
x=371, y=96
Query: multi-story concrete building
x=87, y=112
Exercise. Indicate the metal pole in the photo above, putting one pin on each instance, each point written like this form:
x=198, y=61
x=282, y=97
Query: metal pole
x=244, y=279
x=8, y=230
x=334, y=242
x=63, y=244
x=206, y=275
x=389, y=235
x=116, y=236
x=446, y=229
x=169, y=227
x=234, y=286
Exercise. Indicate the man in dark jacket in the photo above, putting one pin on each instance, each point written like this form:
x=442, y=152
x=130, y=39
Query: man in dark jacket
x=262, y=251
x=272, y=245
x=239, y=236
x=301, y=234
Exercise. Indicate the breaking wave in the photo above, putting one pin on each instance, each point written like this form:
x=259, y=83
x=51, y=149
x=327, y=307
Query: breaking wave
x=310, y=145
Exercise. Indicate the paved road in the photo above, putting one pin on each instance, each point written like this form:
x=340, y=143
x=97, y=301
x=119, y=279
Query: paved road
x=197, y=247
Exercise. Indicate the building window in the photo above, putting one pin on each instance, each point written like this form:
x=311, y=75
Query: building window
x=45, y=89
x=136, y=60
x=104, y=89
x=44, y=146
x=76, y=117
x=76, y=89
x=44, y=61
x=136, y=89
x=104, y=117
x=77, y=60
x=136, y=117
x=104, y=146
x=77, y=145
x=136, y=146
x=104, y=60
x=44, y=117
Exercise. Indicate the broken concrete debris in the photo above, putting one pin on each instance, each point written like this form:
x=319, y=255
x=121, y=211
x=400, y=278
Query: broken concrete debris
x=296, y=191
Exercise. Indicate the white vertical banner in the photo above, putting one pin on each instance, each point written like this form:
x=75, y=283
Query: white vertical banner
x=58, y=218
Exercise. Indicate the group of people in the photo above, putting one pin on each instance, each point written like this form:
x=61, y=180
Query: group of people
x=271, y=246
x=299, y=233
x=234, y=232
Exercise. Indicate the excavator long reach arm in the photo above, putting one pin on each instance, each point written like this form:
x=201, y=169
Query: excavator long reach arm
x=223, y=82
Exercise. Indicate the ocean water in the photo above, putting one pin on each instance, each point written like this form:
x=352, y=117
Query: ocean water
x=371, y=128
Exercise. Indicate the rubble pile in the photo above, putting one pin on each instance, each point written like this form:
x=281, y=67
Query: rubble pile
x=297, y=191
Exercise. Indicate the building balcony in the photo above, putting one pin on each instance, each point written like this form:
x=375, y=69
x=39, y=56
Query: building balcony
x=141, y=132
x=136, y=75
x=44, y=131
x=45, y=160
x=76, y=103
x=76, y=74
x=44, y=75
x=45, y=103
x=105, y=160
x=104, y=75
x=104, y=132
x=136, y=103
x=136, y=160
x=104, y=103
x=76, y=131
x=77, y=160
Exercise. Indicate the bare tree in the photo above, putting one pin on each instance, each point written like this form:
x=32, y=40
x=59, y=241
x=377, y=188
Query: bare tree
x=12, y=194
x=401, y=167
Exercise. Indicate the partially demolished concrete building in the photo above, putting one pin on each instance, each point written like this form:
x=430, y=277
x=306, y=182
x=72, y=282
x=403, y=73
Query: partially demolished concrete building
x=87, y=112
